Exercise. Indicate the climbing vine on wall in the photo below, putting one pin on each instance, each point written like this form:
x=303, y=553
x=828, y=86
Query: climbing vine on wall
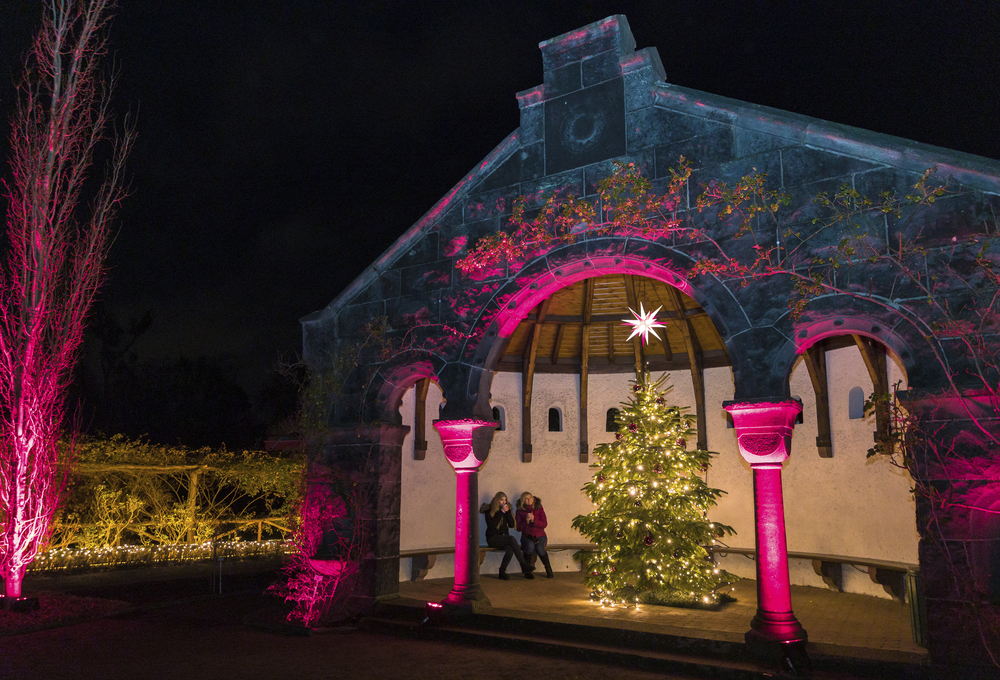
x=625, y=204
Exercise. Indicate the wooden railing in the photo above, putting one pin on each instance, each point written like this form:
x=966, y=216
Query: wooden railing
x=279, y=523
x=193, y=473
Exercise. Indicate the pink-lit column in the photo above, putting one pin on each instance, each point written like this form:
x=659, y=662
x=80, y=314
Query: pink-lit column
x=764, y=431
x=466, y=446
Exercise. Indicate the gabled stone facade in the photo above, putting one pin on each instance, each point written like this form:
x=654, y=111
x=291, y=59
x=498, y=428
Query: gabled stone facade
x=602, y=101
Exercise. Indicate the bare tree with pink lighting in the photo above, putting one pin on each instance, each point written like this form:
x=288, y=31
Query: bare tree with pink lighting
x=55, y=265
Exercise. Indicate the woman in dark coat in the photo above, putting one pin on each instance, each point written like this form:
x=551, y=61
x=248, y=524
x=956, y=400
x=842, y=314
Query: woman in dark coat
x=499, y=521
x=531, y=522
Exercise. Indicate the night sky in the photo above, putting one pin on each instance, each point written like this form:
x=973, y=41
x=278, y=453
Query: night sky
x=284, y=144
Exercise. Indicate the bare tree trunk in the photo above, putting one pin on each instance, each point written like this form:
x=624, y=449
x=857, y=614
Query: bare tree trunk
x=54, y=268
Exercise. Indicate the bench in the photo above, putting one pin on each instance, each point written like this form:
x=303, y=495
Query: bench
x=422, y=559
x=890, y=575
x=898, y=579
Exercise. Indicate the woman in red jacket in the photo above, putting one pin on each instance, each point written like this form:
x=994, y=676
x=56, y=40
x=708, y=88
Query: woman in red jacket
x=531, y=522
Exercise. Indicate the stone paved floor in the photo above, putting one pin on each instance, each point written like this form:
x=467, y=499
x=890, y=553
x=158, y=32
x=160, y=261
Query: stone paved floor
x=840, y=624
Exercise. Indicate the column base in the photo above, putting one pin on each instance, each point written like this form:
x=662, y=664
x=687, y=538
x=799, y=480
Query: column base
x=468, y=599
x=778, y=641
x=781, y=627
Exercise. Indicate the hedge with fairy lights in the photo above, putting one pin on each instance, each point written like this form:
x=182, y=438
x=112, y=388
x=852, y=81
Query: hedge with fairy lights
x=650, y=522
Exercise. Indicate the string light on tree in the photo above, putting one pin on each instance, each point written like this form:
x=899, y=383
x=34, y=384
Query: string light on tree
x=643, y=324
x=649, y=520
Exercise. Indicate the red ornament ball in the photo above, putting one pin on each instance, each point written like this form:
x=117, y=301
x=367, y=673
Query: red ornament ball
x=648, y=540
x=682, y=442
x=600, y=478
x=638, y=504
x=633, y=427
x=637, y=388
x=660, y=401
x=618, y=436
x=657, y=470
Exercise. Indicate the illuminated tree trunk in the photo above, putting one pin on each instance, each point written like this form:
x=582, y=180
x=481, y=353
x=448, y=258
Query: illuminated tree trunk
x=54, y=268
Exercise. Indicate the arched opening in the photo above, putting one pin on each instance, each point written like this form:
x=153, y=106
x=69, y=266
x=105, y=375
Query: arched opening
x=545, y=350
x=572, y=350
x=856, y=403
x=837, y=501
x=555, y=420
x=611, y=421
x=427, y=482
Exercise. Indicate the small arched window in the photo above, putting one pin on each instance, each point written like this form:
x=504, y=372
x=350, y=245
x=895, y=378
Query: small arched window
x=500, y=417
x=555, y=420
x=856, y=403
x=611, y=425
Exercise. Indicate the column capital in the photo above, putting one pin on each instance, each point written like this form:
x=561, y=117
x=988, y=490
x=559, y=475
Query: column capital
x=467, y=441
x=764, y=428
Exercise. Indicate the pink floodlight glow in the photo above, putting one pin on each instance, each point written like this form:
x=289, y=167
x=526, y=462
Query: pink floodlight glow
x=435, y=605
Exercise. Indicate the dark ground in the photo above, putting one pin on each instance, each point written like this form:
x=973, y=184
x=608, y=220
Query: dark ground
x=178, y=630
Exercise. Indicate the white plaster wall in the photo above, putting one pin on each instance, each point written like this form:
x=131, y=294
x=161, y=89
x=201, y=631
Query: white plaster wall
x=845, y=505
x=848, y=504
x=555, y=474
x=427, y=503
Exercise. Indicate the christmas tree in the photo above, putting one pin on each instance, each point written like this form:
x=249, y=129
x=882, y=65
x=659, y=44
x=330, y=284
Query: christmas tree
x=650, y=522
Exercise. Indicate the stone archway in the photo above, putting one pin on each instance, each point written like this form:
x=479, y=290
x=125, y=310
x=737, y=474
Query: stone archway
x=562, y=267
x=513, y=302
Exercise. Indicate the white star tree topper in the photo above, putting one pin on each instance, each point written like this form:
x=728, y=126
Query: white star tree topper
x=644, y=323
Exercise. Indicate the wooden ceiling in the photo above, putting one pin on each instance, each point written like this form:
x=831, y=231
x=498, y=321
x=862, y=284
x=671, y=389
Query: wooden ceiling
x=555, y=330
